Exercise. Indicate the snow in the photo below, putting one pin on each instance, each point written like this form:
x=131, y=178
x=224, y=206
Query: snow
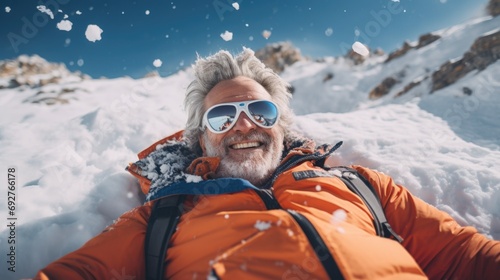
x=7, y=9
x=236, y=5
x=266, y=34
x=65, y=25
x=157, y=63
x=329, y=32
x=45, y=10
x=227, y=36
x=93, y=33
x=70, y=158
x=360, y=49
x=339, y=216
x=260, y=225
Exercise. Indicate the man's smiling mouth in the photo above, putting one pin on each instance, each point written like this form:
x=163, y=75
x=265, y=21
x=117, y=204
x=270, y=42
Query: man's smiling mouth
x=247, y=145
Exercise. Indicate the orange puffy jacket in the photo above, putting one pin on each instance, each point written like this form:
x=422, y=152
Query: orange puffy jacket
x=228, y=232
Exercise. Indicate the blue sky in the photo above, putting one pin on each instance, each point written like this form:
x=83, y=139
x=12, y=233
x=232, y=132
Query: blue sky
x=135, y=33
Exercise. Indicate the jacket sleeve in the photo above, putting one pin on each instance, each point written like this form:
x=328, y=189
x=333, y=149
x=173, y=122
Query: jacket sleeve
x=115, y=253
x=442, y=248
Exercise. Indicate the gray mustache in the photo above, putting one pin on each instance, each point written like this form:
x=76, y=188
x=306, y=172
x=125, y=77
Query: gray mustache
x=251, y=136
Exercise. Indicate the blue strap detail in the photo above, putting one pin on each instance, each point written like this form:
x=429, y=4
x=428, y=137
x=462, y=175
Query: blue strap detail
x=206, y=187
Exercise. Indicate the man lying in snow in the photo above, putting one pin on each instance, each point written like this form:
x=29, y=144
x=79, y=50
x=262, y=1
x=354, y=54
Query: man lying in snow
x=256, y=201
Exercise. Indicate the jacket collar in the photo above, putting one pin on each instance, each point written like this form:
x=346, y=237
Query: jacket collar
x=170, y=160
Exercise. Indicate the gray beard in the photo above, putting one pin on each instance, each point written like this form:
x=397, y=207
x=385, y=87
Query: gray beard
x=254, y=168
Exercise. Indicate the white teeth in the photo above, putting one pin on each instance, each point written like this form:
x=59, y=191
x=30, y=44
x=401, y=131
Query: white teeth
x=245, y=145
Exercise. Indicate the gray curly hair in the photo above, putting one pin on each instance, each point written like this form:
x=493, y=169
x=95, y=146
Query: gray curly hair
x=223, y=66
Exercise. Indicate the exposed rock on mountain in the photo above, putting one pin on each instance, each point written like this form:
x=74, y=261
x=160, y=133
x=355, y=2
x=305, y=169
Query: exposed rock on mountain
x=400, y=52
x=34, y=71
x=279, y=55
x=383, y=88
x=355, y=57
x=386, y=85
x=51, y=97
x=411, y=85
x=423, y=41
x=427, y=39
x=359, y=59
x=494, y=8
x=328, y=77
x=483, y=52
x=153, y=73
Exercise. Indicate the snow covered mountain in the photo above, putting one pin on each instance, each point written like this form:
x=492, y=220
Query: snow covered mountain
x=426, y=114
x=459, y=68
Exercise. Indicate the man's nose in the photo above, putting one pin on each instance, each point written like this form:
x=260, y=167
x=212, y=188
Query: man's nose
x=244, y=124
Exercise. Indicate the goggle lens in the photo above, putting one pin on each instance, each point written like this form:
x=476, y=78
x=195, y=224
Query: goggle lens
x=264, y=113
x=220, y=118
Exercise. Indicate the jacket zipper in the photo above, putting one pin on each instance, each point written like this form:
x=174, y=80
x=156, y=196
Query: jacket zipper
x=296, y=160
x=268, y=198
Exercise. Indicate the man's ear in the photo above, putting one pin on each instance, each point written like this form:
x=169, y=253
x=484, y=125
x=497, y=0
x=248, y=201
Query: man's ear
x=202, y=144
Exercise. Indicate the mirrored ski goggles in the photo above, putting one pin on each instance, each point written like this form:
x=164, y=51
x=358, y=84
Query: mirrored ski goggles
x=222, y=117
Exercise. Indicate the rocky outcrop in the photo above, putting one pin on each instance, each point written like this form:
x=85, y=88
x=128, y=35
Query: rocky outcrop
x=423, y=41
x=386, y=85
x=279, y=55
x=399, y=52
x=152, y=74
x=483, y=52
x=383, y=88
x=493, y=7
x=328, y=77
x=427, y=39
x=52, y=97
x=33, y=71
x=379, y=52
x=411, y=85
x=357, y=59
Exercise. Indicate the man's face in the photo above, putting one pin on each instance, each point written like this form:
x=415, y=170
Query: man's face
x=247, y=150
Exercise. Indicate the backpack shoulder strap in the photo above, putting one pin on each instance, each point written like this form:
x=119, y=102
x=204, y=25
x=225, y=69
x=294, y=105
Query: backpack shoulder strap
x=364, y=189
x=161, y=226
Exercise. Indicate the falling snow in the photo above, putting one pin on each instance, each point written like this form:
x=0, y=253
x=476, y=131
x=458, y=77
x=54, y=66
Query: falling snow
x=227, y=36
x=329, y=32
x=157, y=63
x=262, y=225
x=65, y=25
x=266, y=34
x=360, y=49
x=45, y=10
x=93, y=33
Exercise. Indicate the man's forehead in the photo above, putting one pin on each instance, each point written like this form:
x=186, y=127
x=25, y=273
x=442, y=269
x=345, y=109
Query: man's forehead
x=237, y=89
